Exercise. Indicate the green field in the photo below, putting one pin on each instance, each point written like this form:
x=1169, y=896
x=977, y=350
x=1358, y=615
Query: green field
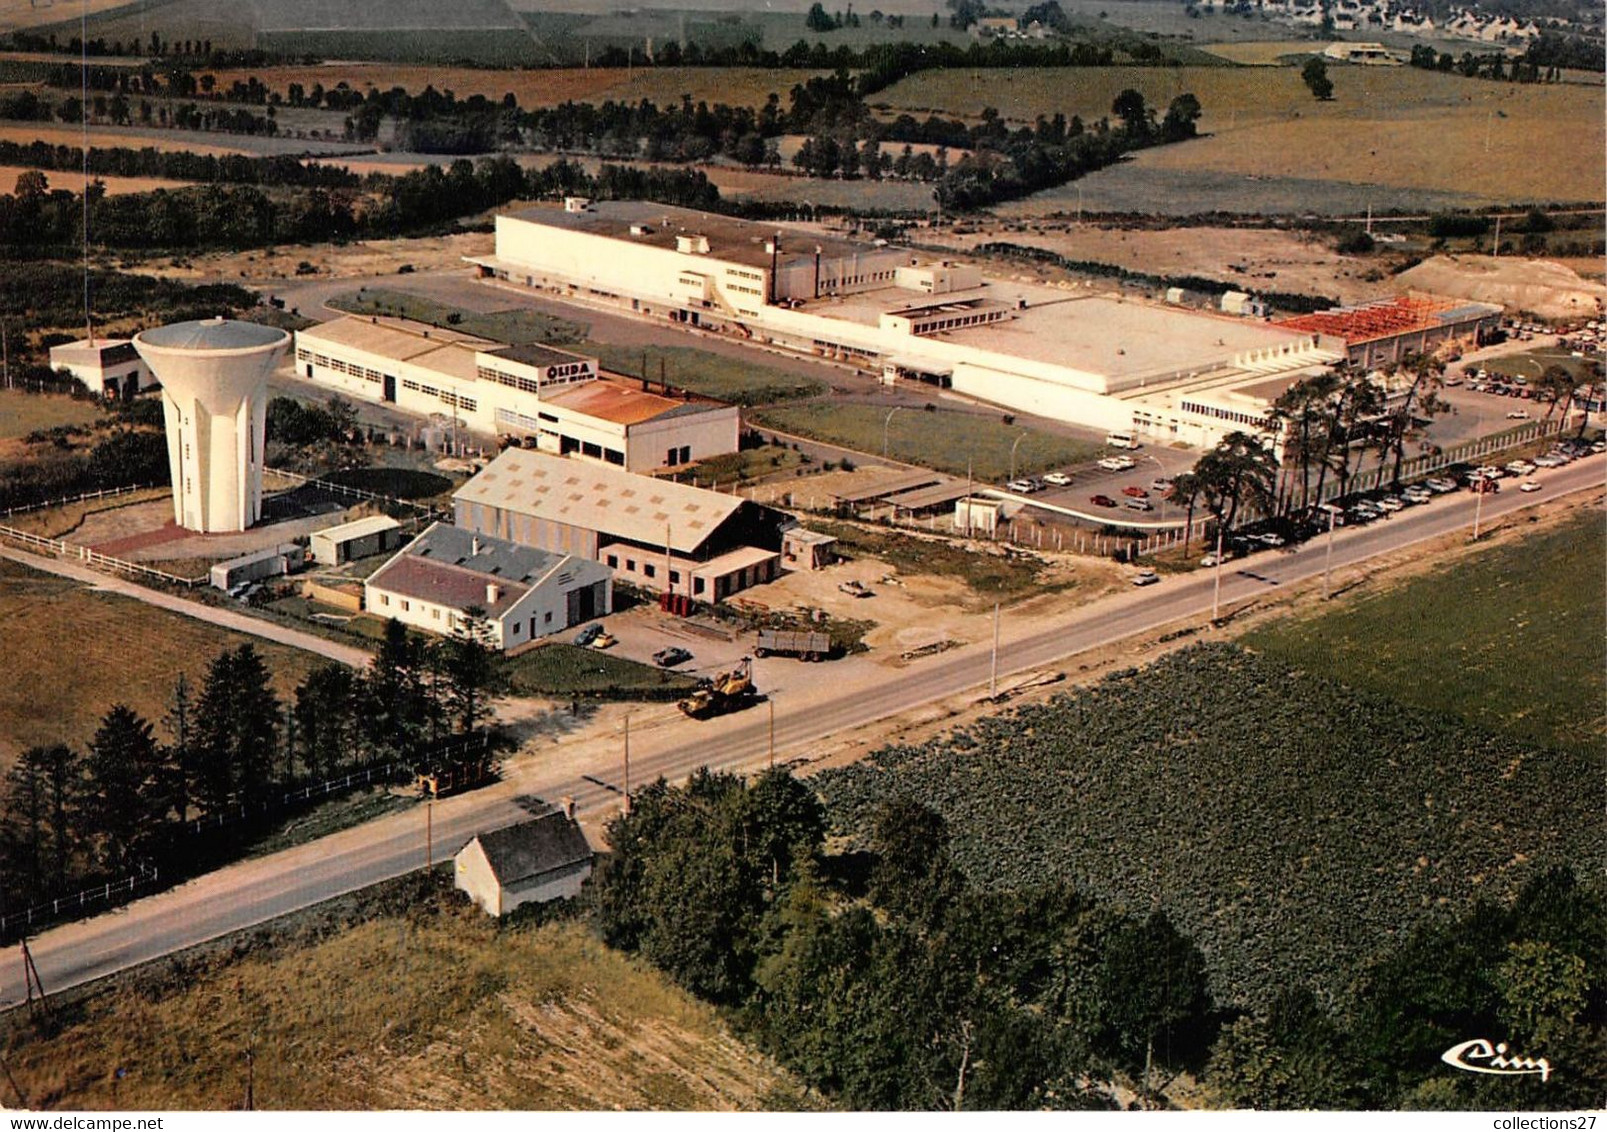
x=944, y=439
x=123, y=651
x=1511, y=640
x=516, y=327
x=562, y=671
x=1531, y=363
x=22, y=413
x=1292, y=826
x=397, y=997
x=735, y=380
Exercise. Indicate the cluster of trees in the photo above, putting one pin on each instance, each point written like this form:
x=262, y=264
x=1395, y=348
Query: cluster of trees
x=131, y=450
x=1315, y=75
x=885, y=979
x=179, y=165
x=156, y=45
x=120, y=110
x=245, y=216
x=70, y=819
x=1494, y=65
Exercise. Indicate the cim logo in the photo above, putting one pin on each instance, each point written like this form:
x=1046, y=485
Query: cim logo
x=1479, y=1056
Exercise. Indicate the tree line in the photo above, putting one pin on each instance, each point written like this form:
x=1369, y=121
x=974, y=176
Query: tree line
x=886, y=979
x=70, y=819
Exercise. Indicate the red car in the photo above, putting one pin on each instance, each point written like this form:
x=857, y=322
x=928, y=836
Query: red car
x=1101, y=501
x=1135, y=491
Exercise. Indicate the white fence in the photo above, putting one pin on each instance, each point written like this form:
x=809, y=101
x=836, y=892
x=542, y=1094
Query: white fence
x=20, y=921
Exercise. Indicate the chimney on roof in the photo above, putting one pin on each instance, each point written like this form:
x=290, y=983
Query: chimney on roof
x=493, y=593
x=569, y=807
x=474, y=546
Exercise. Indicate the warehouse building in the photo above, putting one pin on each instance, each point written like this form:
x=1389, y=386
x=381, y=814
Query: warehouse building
x=110, y=367
x=559, y=401
x=1055, y=351
x=359, y=538
x=1383, y=332
x=523, y=593
x=654, y=533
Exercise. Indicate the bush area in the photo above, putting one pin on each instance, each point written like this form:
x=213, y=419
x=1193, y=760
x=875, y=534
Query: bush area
x=564, y=671
x=943, y=439
x=1503, y=641
x=1292, y=825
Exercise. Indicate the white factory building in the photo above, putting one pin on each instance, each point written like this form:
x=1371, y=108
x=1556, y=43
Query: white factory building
x=1105, y=361
x=524, y=593
x=561, y=402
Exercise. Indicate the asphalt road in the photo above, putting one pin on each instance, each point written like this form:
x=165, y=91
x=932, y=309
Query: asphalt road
x=591, y=768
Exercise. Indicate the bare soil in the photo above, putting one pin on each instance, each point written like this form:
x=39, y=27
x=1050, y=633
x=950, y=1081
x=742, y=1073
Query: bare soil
x=1544, y=287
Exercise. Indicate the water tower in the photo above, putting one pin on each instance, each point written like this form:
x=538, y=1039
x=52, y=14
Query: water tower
x=214, y=376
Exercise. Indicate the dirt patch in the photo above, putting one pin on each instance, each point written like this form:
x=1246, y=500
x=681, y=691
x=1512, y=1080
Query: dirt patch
x=1254, y=258
x=360, y=259
x=1548, y=289
x=115, y=186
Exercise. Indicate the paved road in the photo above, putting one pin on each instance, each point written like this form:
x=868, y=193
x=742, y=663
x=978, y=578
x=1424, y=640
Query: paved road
x=227, y=618
x=590, y=768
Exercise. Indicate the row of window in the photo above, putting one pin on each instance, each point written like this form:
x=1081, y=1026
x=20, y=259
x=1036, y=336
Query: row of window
x=757, y=276
x=934, y=326
x=1249, y=419
x=650, y=570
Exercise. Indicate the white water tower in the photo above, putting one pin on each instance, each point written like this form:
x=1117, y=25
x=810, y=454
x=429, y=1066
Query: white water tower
x=214, y=376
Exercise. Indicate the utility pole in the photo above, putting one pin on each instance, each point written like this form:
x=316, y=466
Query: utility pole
x=1478, y=507
x=627, y=762
x=993, y=675
x=37, y=1002
x=772, y=702
x=5, y=355
x=1328, y=560
x=1216, y=593
x=429, y=834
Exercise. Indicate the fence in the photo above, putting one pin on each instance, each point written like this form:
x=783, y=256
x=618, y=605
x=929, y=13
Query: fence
x=349, y=492
x=367, y=776
x=104, y=493
x=1420, y=466
x=93, y=558
x=19, y=922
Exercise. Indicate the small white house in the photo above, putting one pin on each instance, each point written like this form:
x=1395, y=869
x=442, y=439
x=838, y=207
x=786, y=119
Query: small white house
x=110, y=367
x=524, y=593
x=547, y=858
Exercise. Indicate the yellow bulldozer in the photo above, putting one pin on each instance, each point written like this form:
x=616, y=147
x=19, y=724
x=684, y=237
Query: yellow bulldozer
x=729, y=691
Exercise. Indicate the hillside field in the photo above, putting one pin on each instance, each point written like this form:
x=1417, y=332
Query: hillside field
x=1394, y=127
x=400, y=997
x=71, y=653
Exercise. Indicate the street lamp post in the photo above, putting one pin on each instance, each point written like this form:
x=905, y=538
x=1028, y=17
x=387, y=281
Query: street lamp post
x=1328, y=558
x=886, y=423
x=1160, y=467
x=1216, y=592
x=1013, y=448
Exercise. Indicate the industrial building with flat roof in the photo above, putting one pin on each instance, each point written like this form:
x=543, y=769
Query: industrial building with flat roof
x=562, y=402
x=524, y=593
x=1055, y=352
x=654, y=533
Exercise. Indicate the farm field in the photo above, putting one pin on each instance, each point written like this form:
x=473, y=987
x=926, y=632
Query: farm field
x=123, y=651
x=1510, y=640
x=115, y=186
x=538, y=88
x=1387, y=129
x=15, y=14
x=1291, y=825
x=945, y=439
x=168, y=141
x=516, y=1016
x=22, y=413
x=518, y=327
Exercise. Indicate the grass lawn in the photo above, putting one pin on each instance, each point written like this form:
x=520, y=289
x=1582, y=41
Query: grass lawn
x=1510, y=639
x=1531, y=363
x=745, y=467
x=22, y=413
x=944, y=439
x=121, y=651
x=736, y=380
x=562, y=670
x=517, y=327
x=402, y=996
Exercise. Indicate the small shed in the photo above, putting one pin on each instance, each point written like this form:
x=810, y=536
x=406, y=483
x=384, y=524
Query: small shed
x=108, y=366
x=360, y=538
x=546, y=858
x=803, y=549
x=285, y=558
x=1246, y=306
x=977, y=516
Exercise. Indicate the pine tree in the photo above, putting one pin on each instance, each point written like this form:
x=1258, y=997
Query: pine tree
x=123, y=804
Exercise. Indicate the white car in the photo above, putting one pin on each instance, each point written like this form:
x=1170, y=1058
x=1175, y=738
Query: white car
x=1059, y=479
x=1528, y=485
x=1117, y=463
x=1440, y=486
x=1520, y=467
x=1417, y=494
x=1390, y=503
x=1146, y=578
x=1554, y=460
x=1022, y=487
x=1209, y=560
x=1518, y=415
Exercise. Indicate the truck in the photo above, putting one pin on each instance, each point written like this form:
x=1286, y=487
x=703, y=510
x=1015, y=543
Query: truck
x=803, y=644
x=729, y=691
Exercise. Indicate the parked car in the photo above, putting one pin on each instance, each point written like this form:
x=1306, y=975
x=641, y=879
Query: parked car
x=1417, y=493
x=1146, y=578
x=1518, y=415
x=670, y=657
x=1528, y=485
x=1162, y=485
x=587, y=635
x=1269, y=538
x=1520, y=467
x=1140, y=505
x=603, y=640
x=1440, y=485
x=1117, y=463
x=1135, y=491
x=1101, y=501
x=1022, y=487
x=1211, y=560
x=854, y=589
x=1390, y=503
x=1059, y=479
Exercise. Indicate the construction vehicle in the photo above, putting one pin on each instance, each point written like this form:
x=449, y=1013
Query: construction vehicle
x=793, y=642
x=729, y=691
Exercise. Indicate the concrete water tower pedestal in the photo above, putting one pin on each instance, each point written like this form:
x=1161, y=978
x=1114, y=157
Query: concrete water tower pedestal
x=214, y=376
